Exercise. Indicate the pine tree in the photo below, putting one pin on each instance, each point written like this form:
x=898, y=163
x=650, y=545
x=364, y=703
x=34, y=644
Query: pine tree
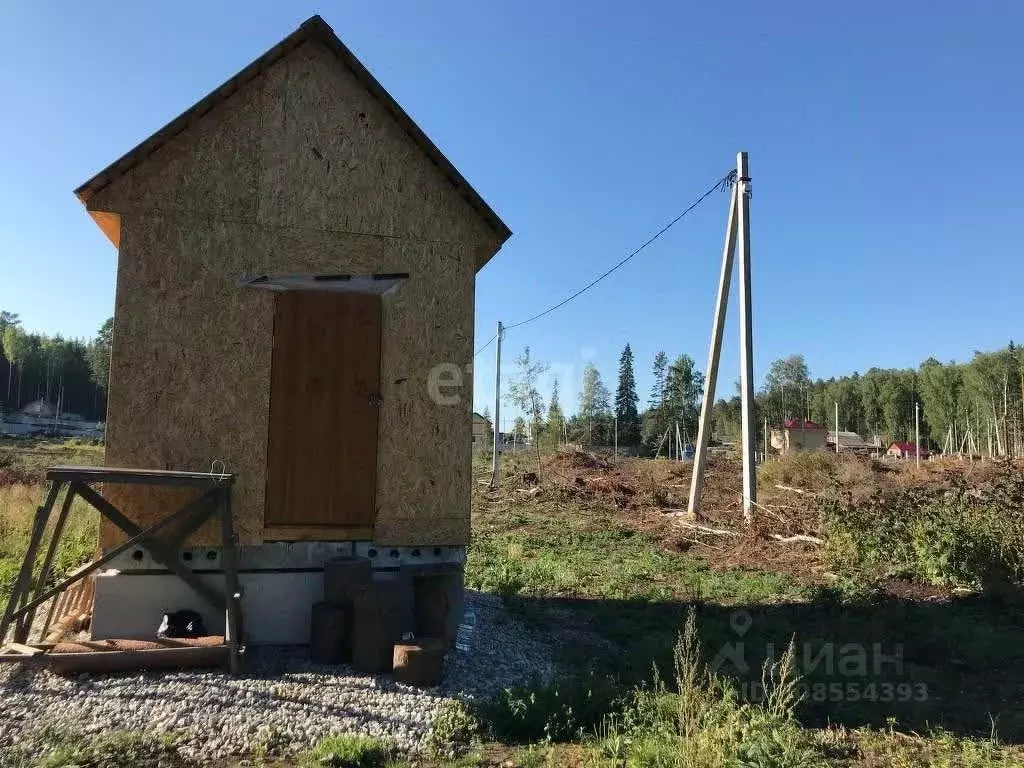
x=683, y=387
x=626, y=401
x=556, y=418
x=594, y=407
x=657, y=398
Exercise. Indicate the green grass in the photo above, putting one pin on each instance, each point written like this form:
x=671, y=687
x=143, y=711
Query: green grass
x=562, y=563
x=959, y=536
x=25, y=460
x=112, y=749
x=561, y=549
x=349, y=751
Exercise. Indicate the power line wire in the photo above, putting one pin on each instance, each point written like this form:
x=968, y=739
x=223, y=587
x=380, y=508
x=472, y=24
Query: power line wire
x=485, y=345
x=722, y=183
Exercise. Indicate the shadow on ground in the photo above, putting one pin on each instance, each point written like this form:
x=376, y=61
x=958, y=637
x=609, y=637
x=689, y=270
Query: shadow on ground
x=957, y=664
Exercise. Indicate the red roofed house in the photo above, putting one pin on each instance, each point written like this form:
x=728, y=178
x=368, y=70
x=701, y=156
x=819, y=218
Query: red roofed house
x=905, y=451
x=798, y=435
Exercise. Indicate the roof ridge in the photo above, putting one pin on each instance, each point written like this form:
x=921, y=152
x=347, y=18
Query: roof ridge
x=315, y=27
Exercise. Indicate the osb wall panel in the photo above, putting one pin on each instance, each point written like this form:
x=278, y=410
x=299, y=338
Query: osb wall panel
x=423, y=450
x=210, y=169
x=190, y=369
x=301, y=171
x=333, y=157
x=186, y=386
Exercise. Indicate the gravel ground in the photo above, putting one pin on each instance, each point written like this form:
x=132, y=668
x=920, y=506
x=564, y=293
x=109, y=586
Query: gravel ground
x=282, y=701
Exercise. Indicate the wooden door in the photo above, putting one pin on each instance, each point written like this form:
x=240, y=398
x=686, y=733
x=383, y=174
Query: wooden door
x=322, y=453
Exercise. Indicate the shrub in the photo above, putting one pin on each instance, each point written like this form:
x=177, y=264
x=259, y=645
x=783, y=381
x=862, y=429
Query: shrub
x=454, y=732
x=957, y=537
x=703, y=721
x=346, y=750
x=114, y=749
x=562, y=710
x=803, y=469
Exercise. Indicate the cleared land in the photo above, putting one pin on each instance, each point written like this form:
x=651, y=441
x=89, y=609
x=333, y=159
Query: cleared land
x=906, y=622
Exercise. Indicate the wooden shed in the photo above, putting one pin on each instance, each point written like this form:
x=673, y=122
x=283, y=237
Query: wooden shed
x=296, y=263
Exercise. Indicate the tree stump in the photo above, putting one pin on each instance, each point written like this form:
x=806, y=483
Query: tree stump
x=420, y=662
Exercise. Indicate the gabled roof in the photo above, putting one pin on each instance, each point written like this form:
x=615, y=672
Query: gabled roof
x=797, y=424
x=905, y=447
x=314, y=28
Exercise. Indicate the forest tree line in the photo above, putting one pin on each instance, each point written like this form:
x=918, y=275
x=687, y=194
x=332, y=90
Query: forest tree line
x=70, y=372
x=976, y=405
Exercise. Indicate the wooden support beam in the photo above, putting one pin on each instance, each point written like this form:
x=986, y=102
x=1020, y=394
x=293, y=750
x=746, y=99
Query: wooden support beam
x=21, y=585
x=140, y=539
x=167, y=558
x=51, y=551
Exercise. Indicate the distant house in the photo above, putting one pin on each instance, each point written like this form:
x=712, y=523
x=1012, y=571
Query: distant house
x=798, y=435
x=482, y=430
x=41, y=409
x=905, y=451
x=851, y=442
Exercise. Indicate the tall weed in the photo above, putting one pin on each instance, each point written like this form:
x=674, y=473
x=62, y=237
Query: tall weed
x=968, y=537
x=704, y=722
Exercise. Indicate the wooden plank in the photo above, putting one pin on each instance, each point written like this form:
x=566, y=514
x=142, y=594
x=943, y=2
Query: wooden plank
x=317, y=533
x=166, y=558
x=232, y=590
x=21, y=584
x=325, y=381
x=21, y=648
x=44, y=571
x=127, y=661
x=138, y=476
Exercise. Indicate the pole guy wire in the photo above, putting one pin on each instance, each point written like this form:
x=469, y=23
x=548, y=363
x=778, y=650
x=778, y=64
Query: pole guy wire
x=721, y=183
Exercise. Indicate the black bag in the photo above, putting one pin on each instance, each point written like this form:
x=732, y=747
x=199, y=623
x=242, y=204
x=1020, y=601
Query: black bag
x=181, y=624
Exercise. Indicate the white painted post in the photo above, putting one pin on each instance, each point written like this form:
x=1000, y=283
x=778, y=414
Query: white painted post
x=746, y=337
x=917, y=432
x=714, y=353
x=837, y=426
x=495, y=462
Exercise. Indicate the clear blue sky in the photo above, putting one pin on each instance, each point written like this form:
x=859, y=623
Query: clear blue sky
x=884, y=141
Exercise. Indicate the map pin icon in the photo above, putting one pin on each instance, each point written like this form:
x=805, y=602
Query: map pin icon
x=740, y=622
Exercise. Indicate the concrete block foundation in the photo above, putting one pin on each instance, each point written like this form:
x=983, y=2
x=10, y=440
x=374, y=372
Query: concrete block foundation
x=280, y=583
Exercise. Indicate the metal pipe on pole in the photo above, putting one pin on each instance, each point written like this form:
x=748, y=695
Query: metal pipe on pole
x=714, y=354
x=746, y=338
x=495, y=467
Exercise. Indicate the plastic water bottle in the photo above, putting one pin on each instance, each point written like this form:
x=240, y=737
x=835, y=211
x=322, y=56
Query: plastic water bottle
x=464, y=637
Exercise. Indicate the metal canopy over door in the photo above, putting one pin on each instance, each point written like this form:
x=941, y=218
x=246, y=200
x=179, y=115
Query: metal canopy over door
x=322, y=453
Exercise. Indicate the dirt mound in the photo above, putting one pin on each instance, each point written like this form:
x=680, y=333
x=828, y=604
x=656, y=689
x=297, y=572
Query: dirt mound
x=577, y=459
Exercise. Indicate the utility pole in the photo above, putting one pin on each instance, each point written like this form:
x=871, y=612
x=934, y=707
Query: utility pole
x=917, y=432
x=714, y=353
x=495, y=468
x=746, y=338
x=837, y=426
